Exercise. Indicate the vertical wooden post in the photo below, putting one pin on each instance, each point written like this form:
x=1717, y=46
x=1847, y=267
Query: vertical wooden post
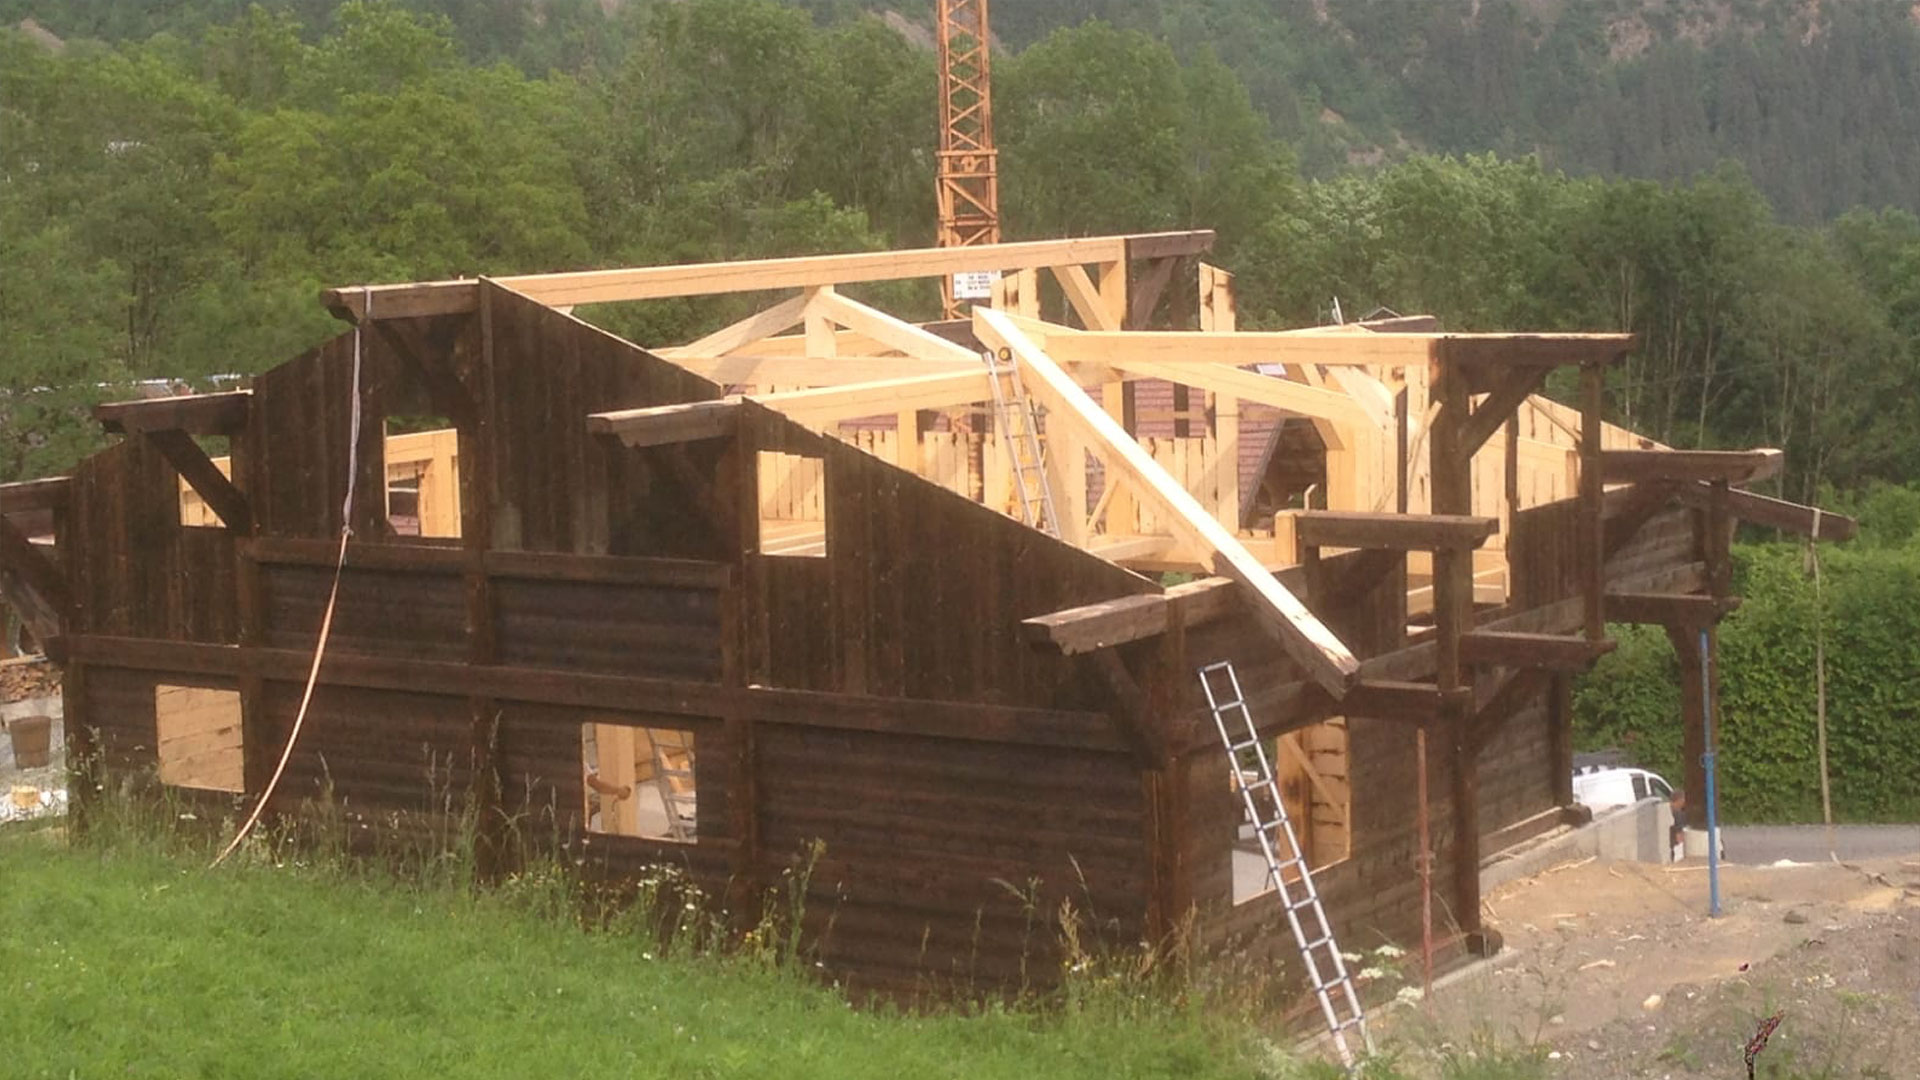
x=1560, y=732
x=1593, y=536
x=1451, y=466
x=1122, y=516
x=1226, y=442
x=478, y=524
x=1693, y=724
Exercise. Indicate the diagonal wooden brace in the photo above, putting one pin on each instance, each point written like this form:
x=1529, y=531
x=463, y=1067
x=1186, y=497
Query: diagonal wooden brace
x=201, y=474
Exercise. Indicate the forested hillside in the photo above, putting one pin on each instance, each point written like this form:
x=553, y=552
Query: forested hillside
x=181, y=178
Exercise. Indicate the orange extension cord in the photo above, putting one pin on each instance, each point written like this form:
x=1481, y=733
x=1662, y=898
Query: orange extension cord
x=333, y=599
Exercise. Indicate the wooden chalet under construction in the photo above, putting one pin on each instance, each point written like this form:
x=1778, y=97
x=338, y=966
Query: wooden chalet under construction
x=705, y=605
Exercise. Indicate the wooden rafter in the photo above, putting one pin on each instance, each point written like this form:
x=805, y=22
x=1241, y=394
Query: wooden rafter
x=1732, y=466
x=1774, y=513
x=1318, y=650
x=1336, y=346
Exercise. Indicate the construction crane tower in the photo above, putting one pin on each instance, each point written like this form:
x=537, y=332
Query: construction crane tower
x=969, y=183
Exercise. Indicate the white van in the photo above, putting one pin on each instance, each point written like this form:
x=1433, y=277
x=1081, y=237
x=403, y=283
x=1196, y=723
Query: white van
x=1602, y=787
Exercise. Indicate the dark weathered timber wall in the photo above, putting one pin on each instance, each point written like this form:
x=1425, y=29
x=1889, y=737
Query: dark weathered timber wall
x=921, y=592
x=946, y=847
x=132, y=569
x=555, y=487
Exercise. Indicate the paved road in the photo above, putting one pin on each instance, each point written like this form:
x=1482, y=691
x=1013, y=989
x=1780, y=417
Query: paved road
x=1760, y=844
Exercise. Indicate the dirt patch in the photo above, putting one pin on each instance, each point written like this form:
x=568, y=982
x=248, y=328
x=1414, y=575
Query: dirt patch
x=1616, y=971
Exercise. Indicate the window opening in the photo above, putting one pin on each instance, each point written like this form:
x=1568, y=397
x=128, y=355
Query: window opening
x=793, y=504
x=640, y=781
x=1311, y=769
x=423, y=476
x=199, y=738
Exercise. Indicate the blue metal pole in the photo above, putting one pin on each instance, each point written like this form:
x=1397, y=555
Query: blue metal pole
x=1706, y=760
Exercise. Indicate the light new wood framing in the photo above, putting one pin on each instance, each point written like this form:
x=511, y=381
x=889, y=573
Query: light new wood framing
x=1316, y=648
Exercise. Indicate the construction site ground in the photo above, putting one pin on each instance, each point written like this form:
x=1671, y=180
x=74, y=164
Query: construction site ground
x=1615, y=970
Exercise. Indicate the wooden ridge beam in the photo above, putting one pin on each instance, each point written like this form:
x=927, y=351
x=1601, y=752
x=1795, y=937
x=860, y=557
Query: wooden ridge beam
x=660, y=425
x=1511, y=648
x=1757, y=509
x=1318, y=650
x=196, y=414
x=1732, y=466
x=1401, y=532
x=204, y=477
x=755, y=275
x=1669, y=609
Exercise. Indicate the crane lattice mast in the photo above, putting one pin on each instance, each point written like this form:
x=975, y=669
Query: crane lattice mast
x=969, y=184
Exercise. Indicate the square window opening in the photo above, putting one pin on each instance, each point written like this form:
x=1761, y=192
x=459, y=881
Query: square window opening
x=423, y=476
x=1310, y=770
x=199, y=740
x=640, y=781
x=793, y=504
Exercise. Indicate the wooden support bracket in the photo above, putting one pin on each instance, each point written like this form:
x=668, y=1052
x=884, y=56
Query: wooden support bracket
x=427, y=344
x=1132, y=712
x=1773, y=513
x=32, y=583
x=206, y=479
x=1508, y=394
x=1552, y=652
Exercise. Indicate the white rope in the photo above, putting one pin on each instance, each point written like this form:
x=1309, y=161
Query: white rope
x=333, y=596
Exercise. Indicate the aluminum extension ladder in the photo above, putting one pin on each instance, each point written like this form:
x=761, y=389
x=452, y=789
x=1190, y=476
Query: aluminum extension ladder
x=673, y=779
x=1326, y=968
x=1020, y=432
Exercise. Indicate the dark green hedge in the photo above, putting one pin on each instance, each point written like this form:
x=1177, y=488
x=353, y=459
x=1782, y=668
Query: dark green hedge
x=1769, y=764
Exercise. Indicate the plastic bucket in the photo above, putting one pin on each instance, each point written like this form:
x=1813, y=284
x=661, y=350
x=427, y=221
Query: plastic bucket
x=32, y=741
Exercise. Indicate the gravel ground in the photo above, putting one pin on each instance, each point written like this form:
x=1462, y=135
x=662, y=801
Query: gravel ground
x=1616, y=971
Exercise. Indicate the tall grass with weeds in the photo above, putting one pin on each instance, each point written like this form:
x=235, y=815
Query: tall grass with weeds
x=332, y=944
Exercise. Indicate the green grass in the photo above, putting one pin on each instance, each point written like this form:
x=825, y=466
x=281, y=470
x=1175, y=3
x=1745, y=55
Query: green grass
x=128, y=961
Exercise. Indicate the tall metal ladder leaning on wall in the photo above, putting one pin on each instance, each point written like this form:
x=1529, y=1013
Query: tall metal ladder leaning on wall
x=1326, y=968
x=1020, y=434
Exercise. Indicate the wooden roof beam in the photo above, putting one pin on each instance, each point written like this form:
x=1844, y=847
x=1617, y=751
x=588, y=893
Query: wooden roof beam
x=1315, y=647
x=814, y=371
x=1400, y=532
x=196, y=414
x=1757, y=509
x=828, y=406
x=1131, y=618
x=354, y=303
x=1732, y=466
x=662, y=425
x=49, y=493
x=1336, y=347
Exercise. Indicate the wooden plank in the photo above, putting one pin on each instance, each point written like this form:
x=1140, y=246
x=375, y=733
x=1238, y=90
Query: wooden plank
x=828, y=406
x=206, y=479
x=891, y=332
x=707, y=279
x=1336, y=348
x=963, y=721
x=1409, y=532
x=1732, y=466
x=1668, y=609
x=1132, y=618
x=664, y=424
x=1284, y=394
x=813, y=371
x=763, y=324
x=1553, y=652
x=1306, y=638
x=1757, y=509
x=50, y=493
x=195, y=414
